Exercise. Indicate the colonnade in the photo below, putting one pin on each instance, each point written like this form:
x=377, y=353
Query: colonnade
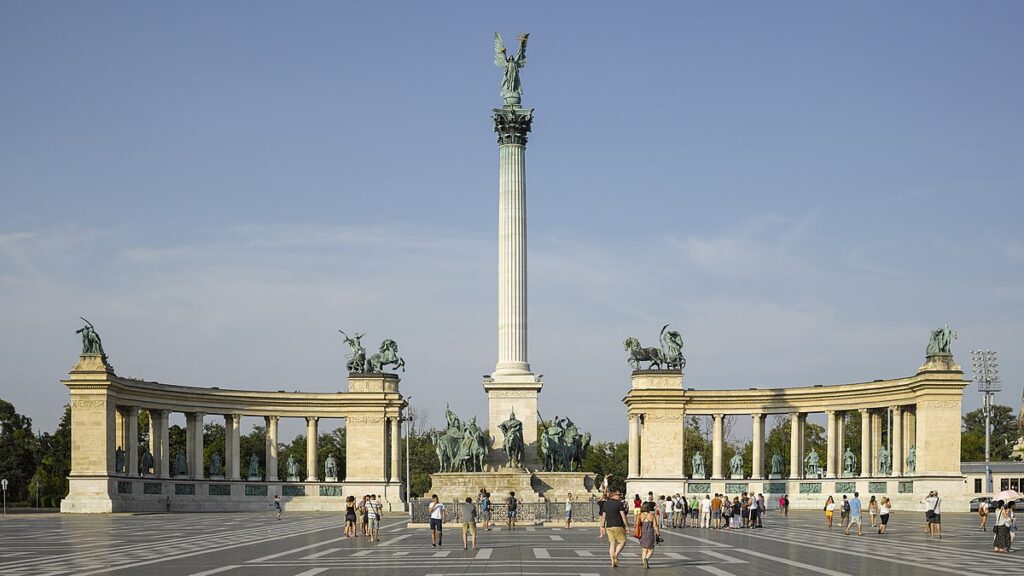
x=919, y=413
x=105, y=411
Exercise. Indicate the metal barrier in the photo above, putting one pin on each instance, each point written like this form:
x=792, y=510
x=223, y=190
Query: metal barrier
x=526, y=512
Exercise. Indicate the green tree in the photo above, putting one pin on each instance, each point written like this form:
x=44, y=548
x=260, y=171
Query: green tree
x=214, y=442
x=422, y=462
x=1003, y=434
x=18, y=452
x=605, y=458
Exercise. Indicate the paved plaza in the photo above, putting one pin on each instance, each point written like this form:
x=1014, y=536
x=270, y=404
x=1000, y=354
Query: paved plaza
x=305, y=544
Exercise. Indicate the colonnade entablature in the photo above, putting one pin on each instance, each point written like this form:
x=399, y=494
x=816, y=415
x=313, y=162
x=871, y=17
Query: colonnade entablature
x=106, y=458
x=920, y=415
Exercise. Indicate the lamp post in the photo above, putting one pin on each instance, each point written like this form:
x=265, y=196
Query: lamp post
x=986, y=374
x=408, y=436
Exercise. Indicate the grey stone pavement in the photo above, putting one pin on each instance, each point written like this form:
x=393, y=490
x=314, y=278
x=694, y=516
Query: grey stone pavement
x=305, y=544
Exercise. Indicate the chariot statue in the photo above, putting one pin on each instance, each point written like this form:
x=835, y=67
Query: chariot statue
x=357, y=356
x=668, y=356
x=387, y=355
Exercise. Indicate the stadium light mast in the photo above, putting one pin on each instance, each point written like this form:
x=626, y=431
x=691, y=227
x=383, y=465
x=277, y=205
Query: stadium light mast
x=985, y=365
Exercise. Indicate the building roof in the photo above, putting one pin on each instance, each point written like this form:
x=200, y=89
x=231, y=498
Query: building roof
x=1002, y=467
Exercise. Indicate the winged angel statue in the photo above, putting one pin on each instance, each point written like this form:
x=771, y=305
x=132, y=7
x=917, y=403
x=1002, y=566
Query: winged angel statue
x=511, y=87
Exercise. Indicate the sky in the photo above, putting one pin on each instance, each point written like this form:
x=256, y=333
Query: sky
x=803, y=189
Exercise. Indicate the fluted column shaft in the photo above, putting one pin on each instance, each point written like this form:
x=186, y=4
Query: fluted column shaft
x=160, y=438
x=396, y=450
x=634, y=446
x=795, y=437
x=271, y=449
x=512, y=326
x=876, y=441
x=830, y=445
x=311, y=448
x=196, y=464
x=132, y=439
x=865, y=442
x=716, y=446
x=897, y=441
x=757, y=454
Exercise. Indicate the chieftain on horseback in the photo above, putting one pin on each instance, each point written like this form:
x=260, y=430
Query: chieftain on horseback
x=562, y=445
x=461, y=447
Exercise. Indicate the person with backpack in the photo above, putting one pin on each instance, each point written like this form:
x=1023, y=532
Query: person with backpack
x=513, y=510
x=485, y=509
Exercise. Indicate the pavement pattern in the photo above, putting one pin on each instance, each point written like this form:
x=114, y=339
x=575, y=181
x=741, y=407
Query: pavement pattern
x=306, y=544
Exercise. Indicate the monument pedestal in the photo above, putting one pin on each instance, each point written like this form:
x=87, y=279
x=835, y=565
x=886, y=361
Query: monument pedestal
x=775, y=476
x=529, y=487
x=508, y=393
x=254, y=478
x=331, y=479
x=292, y=479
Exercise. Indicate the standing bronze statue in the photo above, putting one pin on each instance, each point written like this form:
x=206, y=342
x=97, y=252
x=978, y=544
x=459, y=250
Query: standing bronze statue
x=91, y=343
x=511, y=87
x=514, y=447
x=940, y=341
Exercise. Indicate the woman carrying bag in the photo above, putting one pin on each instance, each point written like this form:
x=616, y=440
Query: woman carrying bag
x=646, y=530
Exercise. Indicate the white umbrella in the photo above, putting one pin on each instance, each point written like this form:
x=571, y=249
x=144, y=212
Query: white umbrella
x=1006, y=495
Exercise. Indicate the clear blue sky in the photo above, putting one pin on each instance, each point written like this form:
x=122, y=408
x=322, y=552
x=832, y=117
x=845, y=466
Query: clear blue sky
x=804, y=189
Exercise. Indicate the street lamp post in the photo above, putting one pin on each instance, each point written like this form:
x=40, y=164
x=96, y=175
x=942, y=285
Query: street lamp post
x=986, y=374
x=408, y=436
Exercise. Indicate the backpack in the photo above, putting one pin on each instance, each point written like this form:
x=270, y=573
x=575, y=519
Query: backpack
x=846, y=505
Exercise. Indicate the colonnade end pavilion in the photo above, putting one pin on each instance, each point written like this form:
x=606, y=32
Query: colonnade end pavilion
x=909, y=437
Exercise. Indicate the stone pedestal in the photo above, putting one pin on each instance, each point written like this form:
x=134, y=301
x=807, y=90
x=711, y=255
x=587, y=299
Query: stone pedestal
x=775, y=476
x=331, y=479
x=292, y=479
x=255, y=478
x=736, y=477
x=507, y=394
x=217, y=477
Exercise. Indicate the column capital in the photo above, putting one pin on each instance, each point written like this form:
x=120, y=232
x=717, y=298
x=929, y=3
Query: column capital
x=896, y=408
x=758, y=415
x=864, y=411
x=718, y=416
x=830, y=412
x=512, y=125
x=311, y=419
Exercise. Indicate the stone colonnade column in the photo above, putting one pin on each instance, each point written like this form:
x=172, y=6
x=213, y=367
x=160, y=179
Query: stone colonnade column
x=876, y=440
x=132, y=440
x=757, y=456
x=120, y=432
x=897, y=441
x=865, y=442
x=396, y=449
x=159, y=443
x=830, y=445
x=271, y=448
x=311, y=446
x=840, y=443
x=909, y=432
x=795, y=437
x=512, y=125
x=233, y=424
x=197, y=457
x=716, y=446
x=634, y=446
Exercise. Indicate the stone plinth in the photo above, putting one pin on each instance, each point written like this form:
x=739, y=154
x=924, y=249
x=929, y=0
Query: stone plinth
x=554, y=486
x=457, y=486
x=505, y=394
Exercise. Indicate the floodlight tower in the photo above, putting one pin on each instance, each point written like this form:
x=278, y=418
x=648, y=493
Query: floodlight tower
x=986, y=373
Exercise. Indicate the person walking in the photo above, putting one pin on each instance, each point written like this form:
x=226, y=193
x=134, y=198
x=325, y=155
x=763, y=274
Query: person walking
x=873, y=511
x=613, y=522
x=884, y=509
x=364, y=519
x=785, y=504
x=854, y=505
x=716, y=512
x=1004, y=523
x=668, y=507
x=513, y=510
x=350, y=516
x=983, y=514
x=830, y=508
x=744, y=510
x=438, y=515
x=753, y=512
x=844, y=512
x=277, y=505
x=569, y=499
x=678, y=505
x=637, y=503
x=467, y=515
x=649, y=532
x=600, y=510
x=762, y=510
x=373, y=513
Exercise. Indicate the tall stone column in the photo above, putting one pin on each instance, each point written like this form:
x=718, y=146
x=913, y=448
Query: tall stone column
x=165, y=443
x=396, y=450
x=311, y=446
x=716, y=446
x=634, y=445
x=795, y=440
x=512, y=387
x=865, y=442
x=897, y=441
x=909, y=433
x=120, y=437
x=190, y=443
x=271, y=448
x=233, y=423
x=132, y=440
x=830, y=445
x=757, y=455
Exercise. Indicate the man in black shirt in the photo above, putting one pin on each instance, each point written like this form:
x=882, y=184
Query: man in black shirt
x=613, y=520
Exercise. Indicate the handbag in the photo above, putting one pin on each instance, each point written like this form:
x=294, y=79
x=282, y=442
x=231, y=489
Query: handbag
x=636, y=529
